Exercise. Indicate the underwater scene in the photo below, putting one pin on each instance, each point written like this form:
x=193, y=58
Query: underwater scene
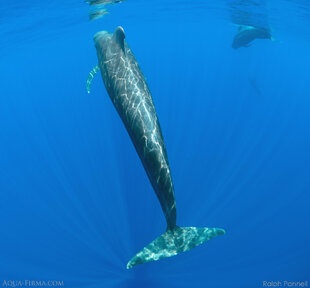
x=160, y=144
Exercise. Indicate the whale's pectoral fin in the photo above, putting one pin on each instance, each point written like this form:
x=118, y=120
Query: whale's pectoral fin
x=90, y=77
x=172, y=242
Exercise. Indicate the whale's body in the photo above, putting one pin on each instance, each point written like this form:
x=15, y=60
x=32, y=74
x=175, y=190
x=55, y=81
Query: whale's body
x=247, y=34
x=132, y=99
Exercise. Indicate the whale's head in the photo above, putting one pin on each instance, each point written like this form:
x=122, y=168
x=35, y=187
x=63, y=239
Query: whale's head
x=264, y=33
x=102, y=40
x=109, y=45
x=111, y=54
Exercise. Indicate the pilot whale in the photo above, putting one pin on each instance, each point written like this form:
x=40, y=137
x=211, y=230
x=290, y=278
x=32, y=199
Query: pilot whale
x=247, y=34
x=132, y=99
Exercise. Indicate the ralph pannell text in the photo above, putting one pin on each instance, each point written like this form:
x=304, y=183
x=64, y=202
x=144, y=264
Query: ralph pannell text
x=285, y=284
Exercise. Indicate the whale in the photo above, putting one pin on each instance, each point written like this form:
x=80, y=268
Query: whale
x=131, y=97
x=247, y=34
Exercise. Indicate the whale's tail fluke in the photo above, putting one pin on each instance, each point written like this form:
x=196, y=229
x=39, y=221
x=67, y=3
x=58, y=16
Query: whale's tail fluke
x=172, y=242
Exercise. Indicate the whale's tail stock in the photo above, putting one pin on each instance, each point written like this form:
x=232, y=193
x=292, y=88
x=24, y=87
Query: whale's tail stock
x=172, y=242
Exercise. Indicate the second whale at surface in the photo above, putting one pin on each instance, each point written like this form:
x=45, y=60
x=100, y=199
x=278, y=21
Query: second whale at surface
x=247, y=34
x=132, y=99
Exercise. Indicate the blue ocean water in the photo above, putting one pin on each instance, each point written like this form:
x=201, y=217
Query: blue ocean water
x=75, y=202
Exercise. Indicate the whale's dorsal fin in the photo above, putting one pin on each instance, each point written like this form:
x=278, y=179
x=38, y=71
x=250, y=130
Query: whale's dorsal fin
x=119, y=37
x=90, y=77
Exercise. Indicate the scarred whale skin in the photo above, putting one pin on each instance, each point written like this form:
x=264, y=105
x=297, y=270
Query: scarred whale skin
x=130, y=95
x=132, y=99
